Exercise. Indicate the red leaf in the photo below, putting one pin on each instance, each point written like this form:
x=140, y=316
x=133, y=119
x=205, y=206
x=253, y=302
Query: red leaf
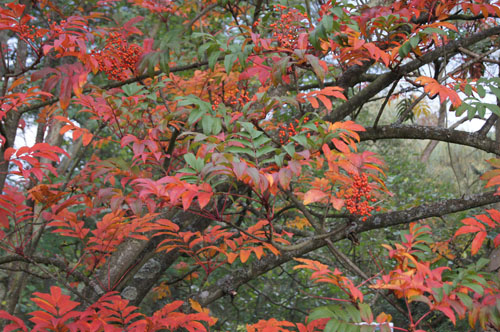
x=303, y=41
x=16, y=322
x=467, y=229
x=284, y=177
x=87, y=138
x=473, y=222
x=496, y=240
x=341, y=146
x=448, y=312
x=477, y=242
x=65, y=93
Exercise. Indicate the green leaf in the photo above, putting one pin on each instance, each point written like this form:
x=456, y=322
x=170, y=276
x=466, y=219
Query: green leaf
x=190, y=178
x=367, y=328
x=481, y=91
x=438, y=293
x=132, y=89
x=203, y=35
x=320, y=312
x=317, y=68
x=422, y=247
x=353, y=328
x=239, y=149
x=471, y=112
x=468, y=90
x=261, y=140
x=431, y=31
x=212, y=59
x=229, y=61
x=310, y=125
x=365, y=312
x=217, y=126
x=475, y=287
x=278, y=159
x=495, y=90
x=190, y=160
x=254, y=133
x=332, y=326
x=301, y=139
x=314, y=40
x=325, y=26
x=195, y=115
x=466, y=300
x=473, y=276
x=461, y=109
x=414, y=41
x=264, y=150
x=481, y=110
x=206, y=123
x=290, y=149
x=243, y=141
x=447, y=289
x=404, y=49
x=353, y=313
x=164, y=60
x=481, y=263
x=494, y=108
x=385, y=328
x=338, y=11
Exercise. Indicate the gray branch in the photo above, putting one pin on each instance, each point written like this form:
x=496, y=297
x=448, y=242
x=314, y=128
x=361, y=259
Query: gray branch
x=230, y=282
x=386, y=79
x=432, y=133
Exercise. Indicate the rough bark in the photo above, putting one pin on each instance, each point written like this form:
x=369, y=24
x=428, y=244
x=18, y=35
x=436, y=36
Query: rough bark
x=433, y=133
x=231, y=282
x=386, y=79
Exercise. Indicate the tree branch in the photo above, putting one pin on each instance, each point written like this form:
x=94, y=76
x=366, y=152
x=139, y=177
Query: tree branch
x=433, y=133
x=386, y=79
x=241, y=276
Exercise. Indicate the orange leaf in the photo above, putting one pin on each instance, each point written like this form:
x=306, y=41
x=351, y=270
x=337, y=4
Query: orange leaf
x=87, y=138
x=244, y=255
x=325, y=101
x=314, y=195
x=231, y=257
x=341, y=146
x=313, y=101
x=337, y=203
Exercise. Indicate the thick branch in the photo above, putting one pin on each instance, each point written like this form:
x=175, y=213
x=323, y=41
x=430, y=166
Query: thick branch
x=433, y=133
x=386, y=79
x=232, y=281
x=57, y=262
x=119, y=84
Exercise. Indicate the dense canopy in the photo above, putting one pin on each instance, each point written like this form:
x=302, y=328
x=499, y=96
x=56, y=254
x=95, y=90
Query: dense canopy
x=249, y=165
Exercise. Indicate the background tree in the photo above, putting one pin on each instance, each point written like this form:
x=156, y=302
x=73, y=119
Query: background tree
x=220, y=154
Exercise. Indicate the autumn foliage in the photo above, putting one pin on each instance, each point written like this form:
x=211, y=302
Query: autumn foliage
x=205, y=143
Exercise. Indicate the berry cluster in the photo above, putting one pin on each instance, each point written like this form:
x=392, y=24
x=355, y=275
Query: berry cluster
x=287, y=131
x=118, y=58
x=359, y=198
x=29, y=33
x=233, y=98
x=287, y=29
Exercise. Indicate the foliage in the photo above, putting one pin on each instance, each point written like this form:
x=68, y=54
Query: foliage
x=183, y=149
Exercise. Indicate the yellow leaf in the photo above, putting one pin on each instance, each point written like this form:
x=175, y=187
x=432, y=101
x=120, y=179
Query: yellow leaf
x=195, y=305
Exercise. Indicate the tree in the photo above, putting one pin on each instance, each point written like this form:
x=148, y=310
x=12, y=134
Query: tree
x=185, y=148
